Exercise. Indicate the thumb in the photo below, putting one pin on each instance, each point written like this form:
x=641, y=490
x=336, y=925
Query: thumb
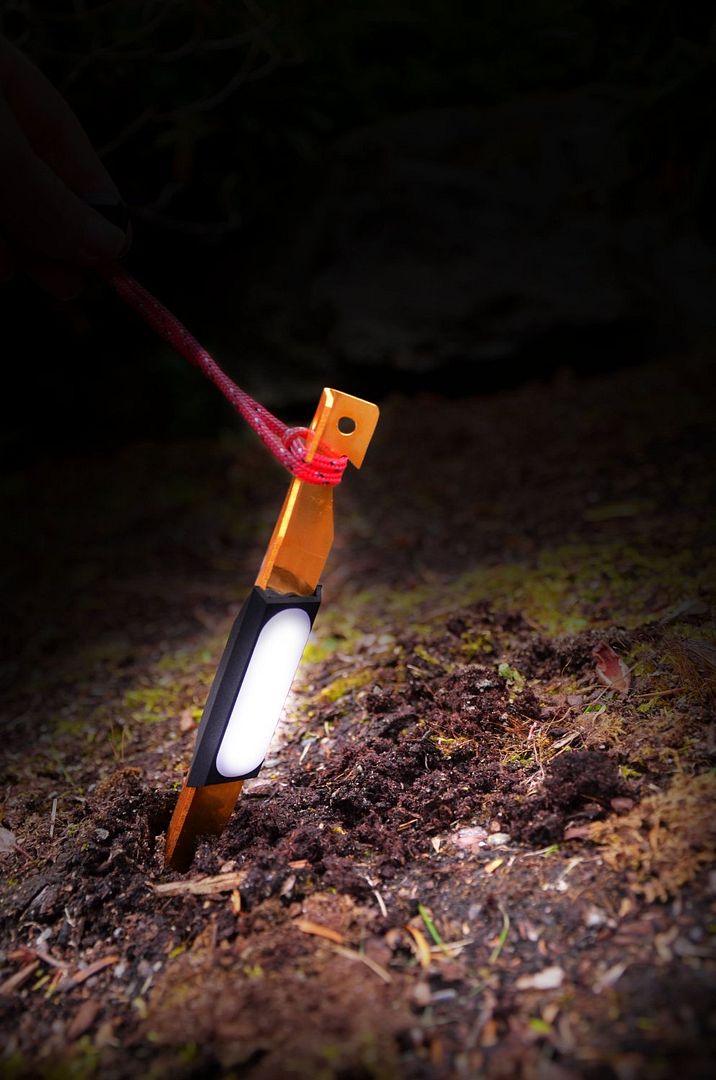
x=39, y=213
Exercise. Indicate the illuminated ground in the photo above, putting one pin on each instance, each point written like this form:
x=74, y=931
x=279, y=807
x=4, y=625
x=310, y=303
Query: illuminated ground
x=469, y=855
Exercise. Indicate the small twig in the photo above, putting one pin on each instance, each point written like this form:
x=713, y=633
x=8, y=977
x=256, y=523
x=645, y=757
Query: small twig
x=53, y=817
x=307, y=747
x=207, y=886
x=379, y=898
x=317, y=930
x=659, y=693
x=452, y=948
x=407, y=824
x=132, y=128
x=61, y=965
x=86, y=973
x=552, y=849
x=375, y=967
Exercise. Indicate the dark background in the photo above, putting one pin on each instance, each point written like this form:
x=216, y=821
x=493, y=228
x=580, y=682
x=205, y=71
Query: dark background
x=429, y=199
x=434, y=196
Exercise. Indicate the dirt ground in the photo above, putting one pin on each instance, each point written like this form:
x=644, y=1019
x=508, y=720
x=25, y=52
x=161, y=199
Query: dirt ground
x=483, y=842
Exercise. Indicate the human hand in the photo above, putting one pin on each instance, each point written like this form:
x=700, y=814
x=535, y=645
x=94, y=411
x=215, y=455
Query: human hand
x=49, y=173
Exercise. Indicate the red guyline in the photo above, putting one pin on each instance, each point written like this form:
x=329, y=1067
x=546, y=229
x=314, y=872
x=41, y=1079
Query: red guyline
x=288, y=445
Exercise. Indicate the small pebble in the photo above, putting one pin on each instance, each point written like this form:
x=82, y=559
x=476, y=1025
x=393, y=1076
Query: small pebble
x=497, y=839
x=422, y=995
x=548, y=979
x=186, y=720
x=471, y=838
x=259, y=788
x=444, y=995
x=594, y=917
x=288, y=886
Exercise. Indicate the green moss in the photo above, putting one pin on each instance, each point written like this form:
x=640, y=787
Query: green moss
x=74, y=725
x=176, y=682
x=320, y=649
x=345, y=683
x=151, y=703
x=512, y=675
x=449, y=745
x=562, y=590
x=187, y=661
x=474, y=645
x=540, y=1026
x=422, y=653
x=523, y=759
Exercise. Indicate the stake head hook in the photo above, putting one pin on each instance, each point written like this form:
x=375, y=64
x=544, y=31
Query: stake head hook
x=345, y=424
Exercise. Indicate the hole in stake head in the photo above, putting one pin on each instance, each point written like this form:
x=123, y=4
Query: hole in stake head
x=346, y=425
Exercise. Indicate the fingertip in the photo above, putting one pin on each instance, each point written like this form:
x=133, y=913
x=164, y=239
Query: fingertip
x=100, y=240
x=116, y=213
x=57, y=280
x=110, y=206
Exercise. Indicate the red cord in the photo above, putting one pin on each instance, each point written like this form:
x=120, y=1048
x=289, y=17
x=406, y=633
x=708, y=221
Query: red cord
x=288, y=445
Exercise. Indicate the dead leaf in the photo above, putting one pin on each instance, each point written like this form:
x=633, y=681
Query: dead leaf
x=547, y=979
x=494, y=865
x=83, y=1019
x=422, y=949
x=611, y=669
x=621, y=805
x=207, y=886
x=308, y=927
x=578, y=832
x=15, y=981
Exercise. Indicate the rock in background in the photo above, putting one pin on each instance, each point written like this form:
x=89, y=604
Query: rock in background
x=483, y=240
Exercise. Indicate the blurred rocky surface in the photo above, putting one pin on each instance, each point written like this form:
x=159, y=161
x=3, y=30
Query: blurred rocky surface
x=477, y=239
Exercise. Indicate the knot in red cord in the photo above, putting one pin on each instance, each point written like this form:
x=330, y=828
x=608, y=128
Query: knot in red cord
x=288, y=445
x=323, y=468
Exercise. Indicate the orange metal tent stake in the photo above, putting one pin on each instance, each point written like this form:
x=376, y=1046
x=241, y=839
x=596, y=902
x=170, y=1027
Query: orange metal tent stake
x=287, y=581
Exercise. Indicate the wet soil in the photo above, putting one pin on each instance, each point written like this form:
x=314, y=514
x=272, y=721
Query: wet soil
x=466, y=854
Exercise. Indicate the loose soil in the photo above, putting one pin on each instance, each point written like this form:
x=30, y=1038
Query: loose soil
x=466, y=854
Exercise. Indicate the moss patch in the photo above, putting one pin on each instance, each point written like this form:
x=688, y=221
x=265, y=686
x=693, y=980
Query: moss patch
x=665, y=840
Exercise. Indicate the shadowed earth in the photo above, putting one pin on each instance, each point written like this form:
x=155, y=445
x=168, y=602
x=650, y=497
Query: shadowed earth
x=478, y=845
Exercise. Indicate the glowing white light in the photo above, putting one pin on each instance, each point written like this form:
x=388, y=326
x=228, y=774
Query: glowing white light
x=263, y=692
